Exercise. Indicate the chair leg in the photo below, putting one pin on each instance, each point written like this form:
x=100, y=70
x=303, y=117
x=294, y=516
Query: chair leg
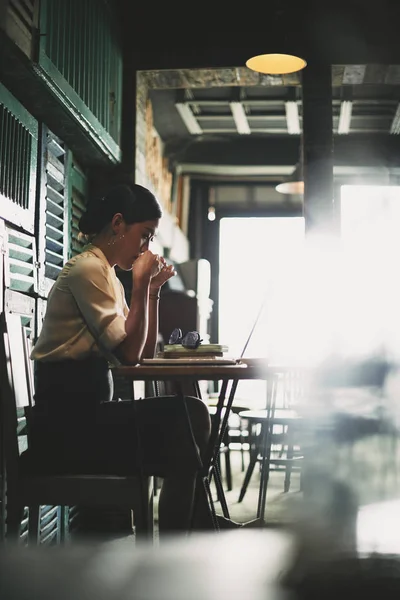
x=141, y=523
x=216, y=473
x=242, y=466
x=15, y=513
x=143, y=515
x=254, y=442
x=289, y=466
x=247, y=477
x=150, y=517
x=228, y=469
x=64, y=524
x=34, y=525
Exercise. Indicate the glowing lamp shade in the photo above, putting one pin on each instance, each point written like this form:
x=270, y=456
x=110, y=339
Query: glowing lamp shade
x=276, y=64
x=294, y=184
x=291, y=187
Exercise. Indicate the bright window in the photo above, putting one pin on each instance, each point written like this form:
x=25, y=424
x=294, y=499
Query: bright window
x=256, y=256
x=370, y=225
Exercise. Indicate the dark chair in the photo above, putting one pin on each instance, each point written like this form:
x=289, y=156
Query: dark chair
x=284, y=453
x=224, y=450
x=24, y=487
x=274, y=435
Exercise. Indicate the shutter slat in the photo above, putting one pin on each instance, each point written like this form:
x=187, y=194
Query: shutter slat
x=55, y=222
x=21, y=261
x=55, y=148
x=20, y=266
x=56, y=177
x=54, y=200
x=55, y=234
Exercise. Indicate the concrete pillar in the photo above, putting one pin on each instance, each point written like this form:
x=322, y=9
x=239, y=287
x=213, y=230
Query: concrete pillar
x=318, y=149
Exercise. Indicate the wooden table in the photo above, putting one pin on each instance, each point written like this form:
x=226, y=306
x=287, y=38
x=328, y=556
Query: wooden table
x=229, y=375
x=180, y=372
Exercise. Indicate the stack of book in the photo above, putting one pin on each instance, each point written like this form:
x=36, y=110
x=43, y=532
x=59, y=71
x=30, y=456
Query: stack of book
x=203, y=351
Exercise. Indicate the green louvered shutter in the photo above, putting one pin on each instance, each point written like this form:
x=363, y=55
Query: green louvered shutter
x=20, y=23
x=24, y=306
x=2, y=261
x=53, y=231
x=18, y=160
x=50, y=516
x=78, y=194
x=80, y=57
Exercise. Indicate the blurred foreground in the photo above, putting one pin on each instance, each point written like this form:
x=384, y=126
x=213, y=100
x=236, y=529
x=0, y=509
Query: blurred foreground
x=256, y=565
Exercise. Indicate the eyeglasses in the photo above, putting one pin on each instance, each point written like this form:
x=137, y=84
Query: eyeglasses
x=190, y=340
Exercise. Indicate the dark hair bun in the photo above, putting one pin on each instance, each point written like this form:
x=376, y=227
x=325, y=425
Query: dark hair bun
x=135, y=202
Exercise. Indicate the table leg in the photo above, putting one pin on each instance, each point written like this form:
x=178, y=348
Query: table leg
x=210, y=463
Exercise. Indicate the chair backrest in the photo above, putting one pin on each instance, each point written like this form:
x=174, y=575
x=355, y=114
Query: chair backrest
x=13, y=328
x=29, y=369
x=14, y=392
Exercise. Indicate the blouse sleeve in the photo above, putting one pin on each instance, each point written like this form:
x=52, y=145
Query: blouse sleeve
x=90, y=284
x=126, y=307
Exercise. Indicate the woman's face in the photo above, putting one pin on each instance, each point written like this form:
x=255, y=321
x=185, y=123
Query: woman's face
x=136, y=239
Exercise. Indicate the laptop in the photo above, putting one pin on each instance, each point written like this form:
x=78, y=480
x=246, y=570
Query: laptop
x=204, y=360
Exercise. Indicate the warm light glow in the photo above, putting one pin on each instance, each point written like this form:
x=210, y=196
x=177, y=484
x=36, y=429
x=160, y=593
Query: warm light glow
x=276, y=64
x=291, y=187
x=211, y=213
x=327, y=297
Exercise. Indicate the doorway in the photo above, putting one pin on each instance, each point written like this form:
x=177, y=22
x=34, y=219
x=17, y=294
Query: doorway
x=256, y=255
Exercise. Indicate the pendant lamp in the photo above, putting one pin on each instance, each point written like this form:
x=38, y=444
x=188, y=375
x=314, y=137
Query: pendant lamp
x=294, y=184
x=276, y=64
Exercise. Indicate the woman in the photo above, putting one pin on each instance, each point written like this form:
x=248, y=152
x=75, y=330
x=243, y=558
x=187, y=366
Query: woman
x=88, y=326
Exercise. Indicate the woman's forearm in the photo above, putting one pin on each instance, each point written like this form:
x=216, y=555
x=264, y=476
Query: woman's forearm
x=136, y=326
x=152, y=333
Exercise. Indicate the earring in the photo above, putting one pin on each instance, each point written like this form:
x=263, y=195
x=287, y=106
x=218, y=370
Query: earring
x=114, y=239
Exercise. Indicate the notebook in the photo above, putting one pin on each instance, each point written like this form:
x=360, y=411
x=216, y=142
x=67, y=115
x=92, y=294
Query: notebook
x=189, y=360
x=203, y=360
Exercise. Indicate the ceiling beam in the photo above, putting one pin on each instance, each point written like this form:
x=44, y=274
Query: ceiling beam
x=240, y=118
x=292, y=117
x=354, y=74
x=346, y=108
x=188, y=118
x=274, y=171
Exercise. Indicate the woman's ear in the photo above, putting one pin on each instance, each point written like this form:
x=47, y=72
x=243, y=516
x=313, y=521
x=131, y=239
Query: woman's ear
x=116, y=222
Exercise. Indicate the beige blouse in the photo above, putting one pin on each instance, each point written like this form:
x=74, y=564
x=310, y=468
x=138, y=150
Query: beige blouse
x=86, y=311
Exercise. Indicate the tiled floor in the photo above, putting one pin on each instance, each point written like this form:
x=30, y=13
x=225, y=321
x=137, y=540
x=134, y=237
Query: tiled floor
x=376, y=526
x=278, y=507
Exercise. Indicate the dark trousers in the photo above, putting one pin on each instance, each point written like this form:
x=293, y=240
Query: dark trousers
x=77, y=429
